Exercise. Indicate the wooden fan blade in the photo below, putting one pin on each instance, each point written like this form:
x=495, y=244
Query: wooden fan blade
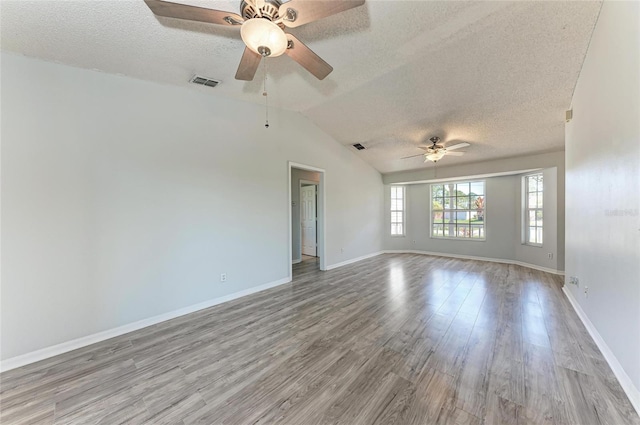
x=248, y=65
x=458, y=146
x=193, y=13
x=313, y=63
x=412, y=156
x=454, y=153
x=300, y=12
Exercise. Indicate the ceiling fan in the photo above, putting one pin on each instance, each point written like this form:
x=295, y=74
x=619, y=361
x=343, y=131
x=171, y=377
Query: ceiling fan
x=437, y=151
x=262, y=24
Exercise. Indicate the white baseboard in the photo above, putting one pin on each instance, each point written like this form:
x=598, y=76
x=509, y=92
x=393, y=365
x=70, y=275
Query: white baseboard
x=353, y=260
x=299, y=260
x=54, y=350
x=627, y=385
x=471, y=257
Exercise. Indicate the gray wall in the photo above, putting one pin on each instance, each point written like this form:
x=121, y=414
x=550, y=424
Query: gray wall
x=504, y=210
x=124, y=199
x=603, y=181
x=502, y=224
x=296, y=176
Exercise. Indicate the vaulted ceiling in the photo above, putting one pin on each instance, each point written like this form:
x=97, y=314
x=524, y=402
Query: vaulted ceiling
x=498, y=75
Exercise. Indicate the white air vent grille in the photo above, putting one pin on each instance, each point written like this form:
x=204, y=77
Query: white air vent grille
x=196, y=79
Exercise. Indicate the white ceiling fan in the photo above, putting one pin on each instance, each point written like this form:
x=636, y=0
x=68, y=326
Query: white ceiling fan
x=437, y=151
x=262, y=24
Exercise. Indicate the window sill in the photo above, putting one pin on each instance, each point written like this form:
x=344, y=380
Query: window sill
x=458, y=239
x=532, y=245
x=398, y=236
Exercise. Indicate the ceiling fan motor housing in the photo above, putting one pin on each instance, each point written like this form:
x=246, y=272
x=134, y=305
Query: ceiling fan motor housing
x=270, y=10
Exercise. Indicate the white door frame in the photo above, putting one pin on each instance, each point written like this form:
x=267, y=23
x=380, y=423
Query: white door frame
x=320, y=211
x=316, y=184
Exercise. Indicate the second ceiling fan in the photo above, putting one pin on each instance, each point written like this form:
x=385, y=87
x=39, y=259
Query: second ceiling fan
x=262, y=24
x=436, y=151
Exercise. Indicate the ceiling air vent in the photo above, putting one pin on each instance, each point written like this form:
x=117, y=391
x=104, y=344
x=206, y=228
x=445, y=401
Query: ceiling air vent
x=196, y=79
x=358, y=146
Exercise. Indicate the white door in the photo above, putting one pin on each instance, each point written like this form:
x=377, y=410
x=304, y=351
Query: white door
x=308, y=219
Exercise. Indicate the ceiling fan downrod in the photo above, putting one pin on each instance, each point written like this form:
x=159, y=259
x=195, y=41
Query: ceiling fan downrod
x=265, y=93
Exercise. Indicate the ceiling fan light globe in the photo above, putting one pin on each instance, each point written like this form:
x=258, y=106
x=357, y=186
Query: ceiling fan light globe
x=436, y=156
x=261, y=35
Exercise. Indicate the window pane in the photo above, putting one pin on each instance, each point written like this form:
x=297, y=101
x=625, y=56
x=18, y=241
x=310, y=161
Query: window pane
x=396, y=205
x=462, y=203
x=539, y=200
x=532, y=184
x=394, y=229
x=449, y=230
x=477, y=188
x=437, y=217
x=532, y=217
x=540, y=183
x=457, y=210
x=477, y=231
x=533, y=201
x=462, y=187
x=478, y=203
x=532, y=235
x=539, y=234
x=449, y=203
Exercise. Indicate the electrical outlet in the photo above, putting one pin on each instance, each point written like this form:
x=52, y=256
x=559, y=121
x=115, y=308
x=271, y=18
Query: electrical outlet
x=550, y=255
x=573, y=280
x=586, y=292
x=223, y=277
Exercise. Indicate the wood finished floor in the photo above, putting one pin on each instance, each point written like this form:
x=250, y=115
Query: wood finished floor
x=395, y=339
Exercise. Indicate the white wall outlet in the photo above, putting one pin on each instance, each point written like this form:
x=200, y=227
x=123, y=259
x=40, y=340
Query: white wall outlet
x=550, y=255
x=573, y=280
x=223, y=277
x=586, y=292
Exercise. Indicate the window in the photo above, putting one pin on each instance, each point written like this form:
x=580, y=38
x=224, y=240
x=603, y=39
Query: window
x=457, y=210
x=397, y=210
x=533, y=209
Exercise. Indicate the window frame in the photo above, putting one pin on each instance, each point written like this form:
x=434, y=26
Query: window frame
x=526, y=210
x=484, y=220
x=403, y=212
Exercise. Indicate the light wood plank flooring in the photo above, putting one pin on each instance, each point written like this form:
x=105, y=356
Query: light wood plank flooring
x=395, y=339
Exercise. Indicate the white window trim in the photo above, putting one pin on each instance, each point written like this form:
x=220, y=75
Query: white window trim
x=525, y=209
x=447, y=238
x=404, y=211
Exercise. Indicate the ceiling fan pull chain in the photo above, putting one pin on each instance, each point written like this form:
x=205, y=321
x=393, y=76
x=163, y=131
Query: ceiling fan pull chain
x=265, y=94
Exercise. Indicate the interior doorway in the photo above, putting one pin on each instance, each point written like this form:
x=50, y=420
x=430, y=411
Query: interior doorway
x=306, y=217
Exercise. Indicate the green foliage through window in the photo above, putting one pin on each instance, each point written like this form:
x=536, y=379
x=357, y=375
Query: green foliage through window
x=458, y=210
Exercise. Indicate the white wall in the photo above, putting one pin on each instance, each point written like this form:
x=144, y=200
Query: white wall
x=603, y=181
x=296, y=176
x=124, y=199
x=503, y=216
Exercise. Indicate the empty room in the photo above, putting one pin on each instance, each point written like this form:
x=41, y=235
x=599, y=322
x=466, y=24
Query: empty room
x=302, y=212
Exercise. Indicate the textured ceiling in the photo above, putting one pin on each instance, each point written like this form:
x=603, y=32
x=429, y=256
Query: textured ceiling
x=496, y=74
